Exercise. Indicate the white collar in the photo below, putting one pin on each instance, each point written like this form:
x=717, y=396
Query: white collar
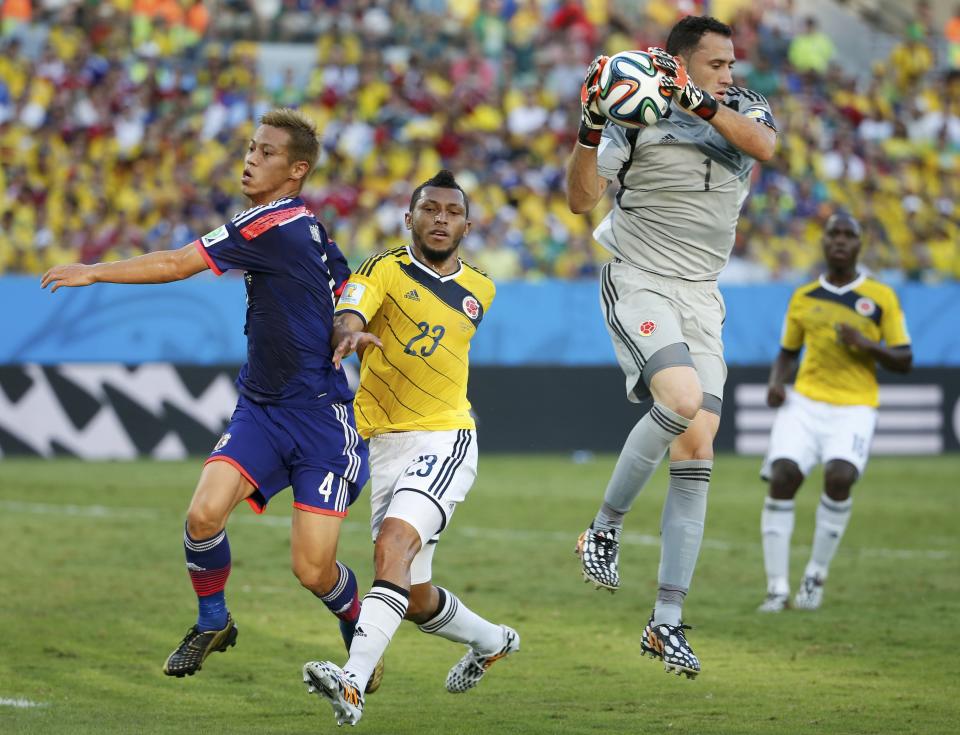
x=861, y=277
x=421, y=266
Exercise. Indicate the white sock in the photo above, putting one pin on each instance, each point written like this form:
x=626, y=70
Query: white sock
x=381, y=612
x=456, y=622
x=776, y=528
x=832, y=519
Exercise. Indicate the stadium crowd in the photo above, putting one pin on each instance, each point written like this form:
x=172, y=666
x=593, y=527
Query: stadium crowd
x=120, y=122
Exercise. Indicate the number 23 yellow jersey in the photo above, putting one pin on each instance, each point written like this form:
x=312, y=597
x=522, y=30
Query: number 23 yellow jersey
x=418, y=381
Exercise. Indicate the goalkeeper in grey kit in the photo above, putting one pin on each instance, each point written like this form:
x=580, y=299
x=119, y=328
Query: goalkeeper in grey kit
x=682, y=183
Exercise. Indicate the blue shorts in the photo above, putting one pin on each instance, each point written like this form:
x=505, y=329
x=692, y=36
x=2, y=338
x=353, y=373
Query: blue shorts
x=316, y=450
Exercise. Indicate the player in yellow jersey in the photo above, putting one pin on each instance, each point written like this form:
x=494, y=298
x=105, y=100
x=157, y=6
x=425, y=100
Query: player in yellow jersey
x=411, y=313
x=846, y=323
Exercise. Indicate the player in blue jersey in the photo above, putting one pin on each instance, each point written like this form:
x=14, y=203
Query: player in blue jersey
x=294, y=423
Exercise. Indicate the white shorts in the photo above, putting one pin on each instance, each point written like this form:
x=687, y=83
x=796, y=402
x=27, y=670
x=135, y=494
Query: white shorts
x=420, y=477
x=810, y=432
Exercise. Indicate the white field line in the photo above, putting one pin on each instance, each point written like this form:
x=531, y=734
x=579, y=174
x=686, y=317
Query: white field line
x=102, y=512
x=20, y=703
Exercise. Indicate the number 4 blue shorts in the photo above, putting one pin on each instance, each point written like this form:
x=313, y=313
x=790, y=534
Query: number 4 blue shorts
x=316, y=450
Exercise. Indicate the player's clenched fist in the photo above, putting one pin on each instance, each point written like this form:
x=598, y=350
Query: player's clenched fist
x=686, y=93
x=591, y=119
x=776, y=395
x=76, y=274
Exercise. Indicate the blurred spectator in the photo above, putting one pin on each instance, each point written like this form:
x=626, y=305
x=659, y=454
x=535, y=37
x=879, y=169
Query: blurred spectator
x=811, y=50
x=14, y=16
x=911, y=59
x=951, y=32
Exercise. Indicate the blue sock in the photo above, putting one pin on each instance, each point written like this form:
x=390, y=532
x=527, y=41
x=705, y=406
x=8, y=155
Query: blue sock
x=208, y=562
x=344, y=602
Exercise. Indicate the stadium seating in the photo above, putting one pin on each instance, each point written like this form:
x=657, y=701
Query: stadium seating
x=121, y=125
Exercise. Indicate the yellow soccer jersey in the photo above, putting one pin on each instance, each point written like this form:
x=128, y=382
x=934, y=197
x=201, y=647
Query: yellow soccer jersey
x=830, y=371
x=418, y=381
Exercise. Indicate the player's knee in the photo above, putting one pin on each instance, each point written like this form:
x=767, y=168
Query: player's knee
x=785, y=479
x=397, y=543
x=684, y=403
x=692, y=446
x=318, y=578
x=204, y=521
x=678, y=388
x=838, y=478
x=688, y=405
x=683, y=397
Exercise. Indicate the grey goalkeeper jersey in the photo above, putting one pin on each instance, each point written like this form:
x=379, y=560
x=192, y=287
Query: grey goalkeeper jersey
x=682, y=185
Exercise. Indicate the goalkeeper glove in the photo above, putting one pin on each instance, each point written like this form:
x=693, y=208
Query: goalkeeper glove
x=688, y=95
x=664, y=61
x=591, y=119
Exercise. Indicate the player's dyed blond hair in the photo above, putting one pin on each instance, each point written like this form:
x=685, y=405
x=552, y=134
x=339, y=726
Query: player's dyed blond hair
x=303, y=145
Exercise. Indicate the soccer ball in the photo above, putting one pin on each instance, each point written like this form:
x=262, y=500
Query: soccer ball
x=630, y=90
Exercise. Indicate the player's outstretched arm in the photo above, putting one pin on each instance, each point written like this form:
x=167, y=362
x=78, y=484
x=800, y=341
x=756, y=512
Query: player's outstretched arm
x=348, y=337
x=162, y=266
x=782, y=370
x=898, y=359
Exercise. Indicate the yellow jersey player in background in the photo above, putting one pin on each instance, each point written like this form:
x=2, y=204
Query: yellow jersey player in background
x=846, y=323
x=420, y=306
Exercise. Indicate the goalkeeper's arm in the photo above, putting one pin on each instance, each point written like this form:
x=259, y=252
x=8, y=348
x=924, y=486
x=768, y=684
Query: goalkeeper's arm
x=750, y=136
x=756, y=140
x=584, y=185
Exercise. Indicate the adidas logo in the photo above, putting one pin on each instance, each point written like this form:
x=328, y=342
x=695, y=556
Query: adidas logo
x=412, y=295
x=668, y=138
x=358, y=633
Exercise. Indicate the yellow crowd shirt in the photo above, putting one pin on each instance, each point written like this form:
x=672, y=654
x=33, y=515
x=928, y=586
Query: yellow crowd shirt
x=830, y=371
x=418, y=381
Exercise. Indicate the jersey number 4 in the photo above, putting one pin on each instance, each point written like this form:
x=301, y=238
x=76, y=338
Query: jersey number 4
x=435, y=335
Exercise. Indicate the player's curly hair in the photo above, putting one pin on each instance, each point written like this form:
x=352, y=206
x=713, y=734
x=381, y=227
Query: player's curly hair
x=304, y=145
x=444, y=179
x=685, y=36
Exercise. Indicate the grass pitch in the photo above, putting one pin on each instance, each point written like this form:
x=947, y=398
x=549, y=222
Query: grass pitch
x=94, y=595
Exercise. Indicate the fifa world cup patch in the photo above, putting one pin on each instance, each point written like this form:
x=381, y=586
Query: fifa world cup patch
x=352, y=293
x=212, y=238
x=865, y=306
x=222, y=442
x=761, y=116
x=647, y=328
x=471, y=307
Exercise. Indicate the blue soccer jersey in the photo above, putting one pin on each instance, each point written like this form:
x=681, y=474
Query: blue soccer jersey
x=293, y=272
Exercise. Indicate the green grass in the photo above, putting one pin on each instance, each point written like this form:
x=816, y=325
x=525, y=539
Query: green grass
x=94, y=595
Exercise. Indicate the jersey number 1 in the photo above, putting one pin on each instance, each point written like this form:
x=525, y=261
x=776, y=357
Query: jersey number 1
x=706, y=176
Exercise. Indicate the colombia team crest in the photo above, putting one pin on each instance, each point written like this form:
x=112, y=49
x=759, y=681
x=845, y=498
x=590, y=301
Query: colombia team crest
x=471, y=307
x=647, y=328
x=865, y=306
